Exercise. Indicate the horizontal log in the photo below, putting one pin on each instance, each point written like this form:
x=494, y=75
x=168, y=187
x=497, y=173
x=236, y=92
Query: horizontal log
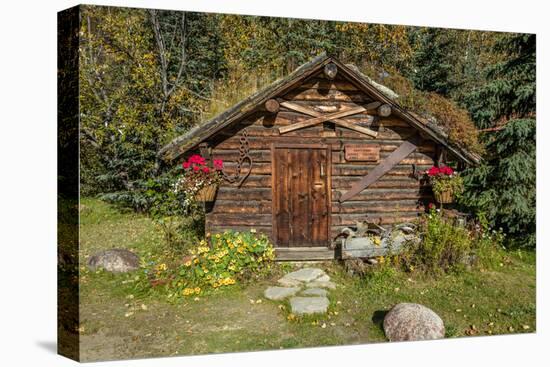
x=252, y=181
x=232, y=155
x=258, y=168
x=330, y=95
x=383, y=218
x=247, y=207
x=378, y=194
x=417, y=156
x=233, y=193
x=382, y=184
x=336, y=143
x=375, y=205
x=249, y=220
x=404, y=168
x=394, y=133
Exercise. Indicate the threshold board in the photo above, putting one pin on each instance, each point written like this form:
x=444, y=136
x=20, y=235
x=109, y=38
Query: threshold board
x=303, y=253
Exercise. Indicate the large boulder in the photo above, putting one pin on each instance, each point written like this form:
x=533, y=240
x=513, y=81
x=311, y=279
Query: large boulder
x=411, y=321
x=114, y=260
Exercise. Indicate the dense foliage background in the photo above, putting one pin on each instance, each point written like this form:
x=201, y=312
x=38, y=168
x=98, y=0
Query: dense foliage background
x=147, y=76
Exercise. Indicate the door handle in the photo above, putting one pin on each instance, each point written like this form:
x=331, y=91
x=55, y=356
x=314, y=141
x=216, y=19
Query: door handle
x=322, y=169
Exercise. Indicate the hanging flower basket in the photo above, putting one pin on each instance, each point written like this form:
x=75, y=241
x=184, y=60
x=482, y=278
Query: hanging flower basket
x=446, y=183
x=444, y=197
x=200, y=180
x=207, y=193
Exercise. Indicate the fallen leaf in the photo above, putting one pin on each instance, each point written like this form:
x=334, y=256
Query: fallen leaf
x=525, y=327
x=144, y=307
x=324, y=325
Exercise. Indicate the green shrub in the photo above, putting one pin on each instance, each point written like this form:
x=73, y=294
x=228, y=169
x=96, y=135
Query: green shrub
x=231, y=257
x=443, y=245
x=446, y=246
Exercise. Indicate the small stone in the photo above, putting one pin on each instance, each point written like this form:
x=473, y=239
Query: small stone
x=319, y=292
x=279, y=293
x=323, y=278
x=114, y=260
x=309, y=305
x=304, y=275
x=318, y=284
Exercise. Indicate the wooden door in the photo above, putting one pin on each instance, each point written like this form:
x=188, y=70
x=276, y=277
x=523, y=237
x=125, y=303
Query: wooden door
x=301, y=200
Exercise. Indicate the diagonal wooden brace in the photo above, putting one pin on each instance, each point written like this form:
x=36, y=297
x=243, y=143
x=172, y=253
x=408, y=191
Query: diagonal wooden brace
x=318, y=120
x=311, y=112
x=387, y=164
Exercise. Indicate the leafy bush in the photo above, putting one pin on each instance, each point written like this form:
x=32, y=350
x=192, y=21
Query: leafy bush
x=443, y=245
x=231, y=257
x=447, y=246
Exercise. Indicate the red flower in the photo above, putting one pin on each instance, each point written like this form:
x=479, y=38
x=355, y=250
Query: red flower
x=446, y=170
x=218, y=164
x=206, y=169
x=196, y=159
x=434, y=171
x=186, y=165
x=196, y=168
x=431, y=206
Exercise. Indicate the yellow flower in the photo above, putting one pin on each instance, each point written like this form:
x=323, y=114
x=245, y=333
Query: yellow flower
x=196, y=261
x=188, y=263
x=188, y=291
x=162, y=267
x=205, y=270
x=197, y=290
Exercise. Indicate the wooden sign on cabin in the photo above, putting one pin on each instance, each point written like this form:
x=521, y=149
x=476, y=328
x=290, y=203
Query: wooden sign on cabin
x=362, y=152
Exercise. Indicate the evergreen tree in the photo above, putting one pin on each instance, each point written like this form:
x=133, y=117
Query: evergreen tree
x=433, y=67
x=504, y=187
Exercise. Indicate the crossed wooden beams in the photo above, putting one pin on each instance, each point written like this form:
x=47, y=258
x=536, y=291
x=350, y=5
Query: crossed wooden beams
x=334, y=117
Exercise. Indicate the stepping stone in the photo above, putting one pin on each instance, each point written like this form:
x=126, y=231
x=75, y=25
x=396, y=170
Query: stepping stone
x=320, y=284
x=323, y=278
x=279, y=293
x=304, y=275
x=308, y=305
x=287, y=282
x=315, y=292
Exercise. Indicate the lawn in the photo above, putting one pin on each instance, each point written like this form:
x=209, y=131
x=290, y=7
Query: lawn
x=118, y=322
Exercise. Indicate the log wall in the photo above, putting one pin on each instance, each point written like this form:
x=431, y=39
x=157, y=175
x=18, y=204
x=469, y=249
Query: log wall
x=396, y=197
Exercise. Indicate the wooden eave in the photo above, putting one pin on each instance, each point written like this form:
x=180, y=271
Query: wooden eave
x=200, y=133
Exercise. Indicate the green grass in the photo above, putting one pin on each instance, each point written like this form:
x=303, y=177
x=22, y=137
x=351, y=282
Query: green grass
x=120, y=322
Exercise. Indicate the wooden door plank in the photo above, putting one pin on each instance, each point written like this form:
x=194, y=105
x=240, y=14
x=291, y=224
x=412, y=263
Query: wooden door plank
x=281, y=210
x=387, y=164
x=318, y=120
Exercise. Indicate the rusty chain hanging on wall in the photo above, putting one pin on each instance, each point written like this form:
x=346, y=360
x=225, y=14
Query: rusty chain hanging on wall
x=244, y=155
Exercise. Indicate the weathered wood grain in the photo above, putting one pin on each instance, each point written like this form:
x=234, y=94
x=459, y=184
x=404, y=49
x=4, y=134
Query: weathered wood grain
x=394, y=158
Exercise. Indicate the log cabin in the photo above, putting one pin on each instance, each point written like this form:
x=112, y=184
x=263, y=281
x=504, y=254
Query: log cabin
x=316, y=152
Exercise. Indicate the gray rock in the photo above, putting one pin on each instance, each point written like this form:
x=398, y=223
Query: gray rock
x=323, y=278
x=114, y=260
x=279, y=293
x=319, y=292
x=308, y=305
x=411, y=321
x=287, y=282
x=304, y=275
x=320, y=284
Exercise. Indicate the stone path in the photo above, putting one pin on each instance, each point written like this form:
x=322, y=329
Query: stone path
x=307, y=288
